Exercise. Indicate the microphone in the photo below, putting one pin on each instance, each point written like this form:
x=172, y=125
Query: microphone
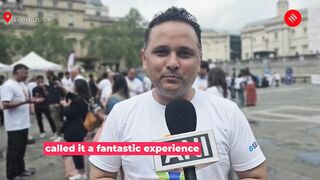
x=181, y=118
x=181, y=121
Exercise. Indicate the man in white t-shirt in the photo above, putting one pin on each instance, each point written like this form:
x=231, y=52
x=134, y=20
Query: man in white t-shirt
x=15, y=100
x=201, y=81
x=134, y=84
x=105, y=88
x=171, y=57
x=66, y=82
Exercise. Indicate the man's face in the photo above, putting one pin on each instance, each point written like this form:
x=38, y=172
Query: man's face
x=73, y=73
x=172, y=58
x=22, y=74
x=40, y=82
x=203, y=72
x=132, y=74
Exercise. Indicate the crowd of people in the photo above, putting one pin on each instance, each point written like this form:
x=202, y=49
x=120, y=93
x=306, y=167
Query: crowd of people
x=63, y=99
x=132, y=108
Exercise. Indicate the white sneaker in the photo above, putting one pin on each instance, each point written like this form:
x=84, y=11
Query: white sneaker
x=75, y=177
x=55, y=136
x=58, y=139
x=42, y=135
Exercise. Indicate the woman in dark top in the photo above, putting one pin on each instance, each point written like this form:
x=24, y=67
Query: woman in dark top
x=75, y=108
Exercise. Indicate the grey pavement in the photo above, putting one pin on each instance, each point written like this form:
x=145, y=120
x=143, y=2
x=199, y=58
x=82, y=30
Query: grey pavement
x=286, y=122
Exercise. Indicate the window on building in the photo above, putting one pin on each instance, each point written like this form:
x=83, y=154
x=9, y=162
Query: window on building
x=55, y=3
x=305, y=30
x=276, y=52
x=70, y=5
x=247, y=55
x=292, y=32
x=276, y=35
x=98, y=13
x=305, y=47
x=40, y=3
x=71, y=20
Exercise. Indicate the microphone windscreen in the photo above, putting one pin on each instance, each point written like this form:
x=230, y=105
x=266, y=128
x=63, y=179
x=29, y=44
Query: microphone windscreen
x=180, y=116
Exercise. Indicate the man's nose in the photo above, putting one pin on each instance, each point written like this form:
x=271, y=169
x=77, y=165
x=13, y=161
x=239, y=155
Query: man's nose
x=173, y=62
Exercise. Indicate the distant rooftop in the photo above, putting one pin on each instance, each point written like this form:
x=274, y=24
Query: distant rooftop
x=95, y=2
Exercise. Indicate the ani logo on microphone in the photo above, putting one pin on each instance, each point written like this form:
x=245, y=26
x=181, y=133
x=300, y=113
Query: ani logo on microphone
x=292, y=18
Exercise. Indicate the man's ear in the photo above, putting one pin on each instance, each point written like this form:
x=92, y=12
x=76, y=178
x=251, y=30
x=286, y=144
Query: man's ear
x=143, y=58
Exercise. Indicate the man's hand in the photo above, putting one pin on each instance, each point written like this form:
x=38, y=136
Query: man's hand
x=65, y=103
x=35, y=100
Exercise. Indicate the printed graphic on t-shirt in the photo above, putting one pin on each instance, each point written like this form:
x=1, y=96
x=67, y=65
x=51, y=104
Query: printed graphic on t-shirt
x=171, y=175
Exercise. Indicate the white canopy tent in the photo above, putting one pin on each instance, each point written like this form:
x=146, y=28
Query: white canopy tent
x=37, y=63
x=4, y=67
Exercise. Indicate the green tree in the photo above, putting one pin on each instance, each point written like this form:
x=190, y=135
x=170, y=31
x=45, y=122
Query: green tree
x=120, y=41
x=4, y=46
x=46, y=40
x=7, y=44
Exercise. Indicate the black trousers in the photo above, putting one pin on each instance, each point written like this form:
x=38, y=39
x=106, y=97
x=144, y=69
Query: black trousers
x=46, y=111
x=78, y=160
x=17, y=143
x=1, y=118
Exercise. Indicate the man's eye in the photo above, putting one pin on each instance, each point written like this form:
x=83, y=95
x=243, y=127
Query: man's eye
x=161, y=52
x=185, y=54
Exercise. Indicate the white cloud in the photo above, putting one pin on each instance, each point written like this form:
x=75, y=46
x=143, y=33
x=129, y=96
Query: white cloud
x=230, y=15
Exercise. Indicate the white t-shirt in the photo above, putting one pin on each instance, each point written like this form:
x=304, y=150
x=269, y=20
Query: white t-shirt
x=218, y=91
x=67, y=84
x=30, y=86
x=141, y=118
x=135, y=86
x=238, y=82
x=147, y=84
x=16, y=118
x=104, y=83
x=200, y=83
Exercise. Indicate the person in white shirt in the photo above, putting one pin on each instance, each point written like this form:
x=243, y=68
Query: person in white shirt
x=31, y=84
x=171, y=57
x=239, y=84
x=201, y=81
x=15, y=100
x=75, y=74
x=217, y=83
x=134, y=84
x=71, y=61
x=105, y=88
x=66, y=81
x=147, y=84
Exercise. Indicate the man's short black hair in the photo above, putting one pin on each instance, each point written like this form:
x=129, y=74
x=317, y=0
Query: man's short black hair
x=174, y=14
x=18, y=67
x=105, y=75
x=204, y=65
x=40, y=77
